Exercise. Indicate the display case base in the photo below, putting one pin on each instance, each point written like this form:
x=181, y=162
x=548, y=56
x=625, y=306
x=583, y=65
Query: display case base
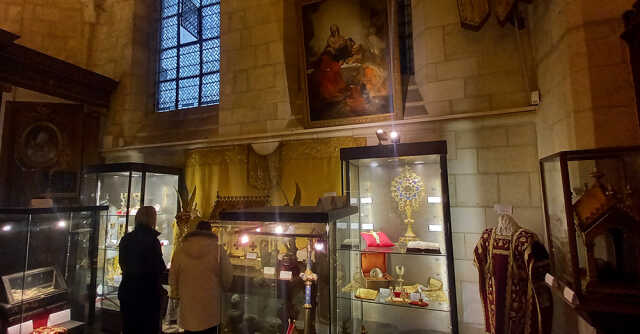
x=111, y=321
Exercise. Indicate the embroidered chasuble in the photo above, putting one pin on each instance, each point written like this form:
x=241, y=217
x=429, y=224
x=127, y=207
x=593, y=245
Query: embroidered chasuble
x=511, y=265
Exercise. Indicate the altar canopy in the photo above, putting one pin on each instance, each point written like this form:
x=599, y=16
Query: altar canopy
x=511, y=265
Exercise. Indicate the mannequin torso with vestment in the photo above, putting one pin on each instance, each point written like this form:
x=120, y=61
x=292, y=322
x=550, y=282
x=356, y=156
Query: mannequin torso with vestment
x=511, y=265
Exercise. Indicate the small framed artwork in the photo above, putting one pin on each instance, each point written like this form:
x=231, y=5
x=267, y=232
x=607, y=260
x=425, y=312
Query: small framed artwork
x=351, y=63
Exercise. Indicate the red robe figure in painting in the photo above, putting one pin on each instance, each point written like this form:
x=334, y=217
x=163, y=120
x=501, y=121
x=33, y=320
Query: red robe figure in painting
x=326, y=79
x=512, y=264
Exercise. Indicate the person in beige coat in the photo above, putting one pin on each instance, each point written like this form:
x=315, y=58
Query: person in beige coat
x=200, y=270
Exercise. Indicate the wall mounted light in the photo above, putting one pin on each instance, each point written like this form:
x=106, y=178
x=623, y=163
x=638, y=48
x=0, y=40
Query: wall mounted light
x=382, y=136
x=7, y=228
x=395, y=137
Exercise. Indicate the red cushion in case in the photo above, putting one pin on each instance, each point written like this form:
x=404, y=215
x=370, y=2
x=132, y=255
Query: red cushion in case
x=376, y=239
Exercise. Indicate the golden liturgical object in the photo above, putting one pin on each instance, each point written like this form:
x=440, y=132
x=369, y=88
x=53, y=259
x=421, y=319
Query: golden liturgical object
x=407, y=189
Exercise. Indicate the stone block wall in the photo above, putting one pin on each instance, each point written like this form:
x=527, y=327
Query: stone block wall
x=584, y=75
x=461, y=71
x=499, y=168
x=60, y=28
x=260, y=74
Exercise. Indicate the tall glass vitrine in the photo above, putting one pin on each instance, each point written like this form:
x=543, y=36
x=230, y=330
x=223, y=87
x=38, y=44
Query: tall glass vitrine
x=124, y=188
x=48, y=272
x=394, y=258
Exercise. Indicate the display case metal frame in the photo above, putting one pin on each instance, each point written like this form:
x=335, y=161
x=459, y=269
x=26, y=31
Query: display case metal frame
x=408, y=150
x=92, y=253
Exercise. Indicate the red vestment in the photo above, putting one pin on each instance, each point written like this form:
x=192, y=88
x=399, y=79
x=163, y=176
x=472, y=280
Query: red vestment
x=511, y=265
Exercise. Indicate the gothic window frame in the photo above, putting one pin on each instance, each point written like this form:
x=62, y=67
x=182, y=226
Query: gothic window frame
x=188, y=72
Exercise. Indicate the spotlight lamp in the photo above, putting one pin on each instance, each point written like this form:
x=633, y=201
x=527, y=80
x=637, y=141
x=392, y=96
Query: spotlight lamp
x=395, y=137
x=382, y=136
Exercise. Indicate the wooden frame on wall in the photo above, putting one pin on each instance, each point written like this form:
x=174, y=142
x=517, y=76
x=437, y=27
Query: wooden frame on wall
x=352, y=73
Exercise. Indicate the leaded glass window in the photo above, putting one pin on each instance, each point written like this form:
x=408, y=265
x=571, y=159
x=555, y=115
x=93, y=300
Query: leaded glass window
x=189, y=60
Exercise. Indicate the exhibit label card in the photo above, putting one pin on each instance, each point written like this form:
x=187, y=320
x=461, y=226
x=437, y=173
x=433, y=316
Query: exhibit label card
x=269, y=271
x=23, y=328
x=385, y=292
x=252, y=256
x=59, y=317
x=286, y=275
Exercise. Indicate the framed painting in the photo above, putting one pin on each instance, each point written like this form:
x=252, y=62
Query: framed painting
x=351, y=63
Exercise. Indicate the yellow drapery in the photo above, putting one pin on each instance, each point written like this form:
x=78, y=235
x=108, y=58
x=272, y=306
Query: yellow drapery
x=215, y=170
x=314, y=164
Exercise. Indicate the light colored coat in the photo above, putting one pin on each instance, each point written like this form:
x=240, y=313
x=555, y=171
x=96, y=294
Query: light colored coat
x=200, y=270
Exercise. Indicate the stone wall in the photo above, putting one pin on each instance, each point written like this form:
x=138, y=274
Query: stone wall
x=493, y=164
x=260, y=72
x=584, y=75
x=461, y=71
x=59, y=28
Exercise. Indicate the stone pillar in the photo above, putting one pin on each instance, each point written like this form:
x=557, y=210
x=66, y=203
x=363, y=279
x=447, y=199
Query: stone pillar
x=584, y=75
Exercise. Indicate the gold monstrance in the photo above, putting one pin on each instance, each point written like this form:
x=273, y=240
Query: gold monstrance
x=407, y=189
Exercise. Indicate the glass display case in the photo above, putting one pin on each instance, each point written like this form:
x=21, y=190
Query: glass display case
x=282, y=269
x=592, y=213
x=394, y=259
x=48, y=272
x=124, y=188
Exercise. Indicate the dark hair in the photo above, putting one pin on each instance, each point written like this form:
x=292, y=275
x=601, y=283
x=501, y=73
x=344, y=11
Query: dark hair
x=203, y=225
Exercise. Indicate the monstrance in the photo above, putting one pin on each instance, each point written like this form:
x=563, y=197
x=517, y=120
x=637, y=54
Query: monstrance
x=408, y=190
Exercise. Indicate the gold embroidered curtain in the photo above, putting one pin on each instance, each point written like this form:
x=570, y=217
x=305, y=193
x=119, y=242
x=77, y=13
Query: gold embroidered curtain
x=314, y=164
x=217, y=169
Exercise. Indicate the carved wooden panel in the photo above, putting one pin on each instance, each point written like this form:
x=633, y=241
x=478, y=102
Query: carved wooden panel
x=45, y=146
x=33, y=70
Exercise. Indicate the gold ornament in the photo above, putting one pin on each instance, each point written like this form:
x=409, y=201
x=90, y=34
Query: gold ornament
x=408, y=190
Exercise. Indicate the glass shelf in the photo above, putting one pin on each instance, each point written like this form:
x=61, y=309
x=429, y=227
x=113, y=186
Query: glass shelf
x=390, y=250
x=436, y=306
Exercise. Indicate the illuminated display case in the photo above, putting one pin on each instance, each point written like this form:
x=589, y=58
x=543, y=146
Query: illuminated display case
x=394, y=259
x=124, y=188
x=270, y=250
x=49, y=267
x=592, y=213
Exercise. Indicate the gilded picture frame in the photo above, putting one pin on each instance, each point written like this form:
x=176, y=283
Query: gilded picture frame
x=349, y=61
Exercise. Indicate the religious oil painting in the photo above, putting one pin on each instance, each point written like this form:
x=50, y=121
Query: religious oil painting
x=350, y=57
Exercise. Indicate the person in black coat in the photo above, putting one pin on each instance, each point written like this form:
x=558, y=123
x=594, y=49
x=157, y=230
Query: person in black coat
x=141, y=293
